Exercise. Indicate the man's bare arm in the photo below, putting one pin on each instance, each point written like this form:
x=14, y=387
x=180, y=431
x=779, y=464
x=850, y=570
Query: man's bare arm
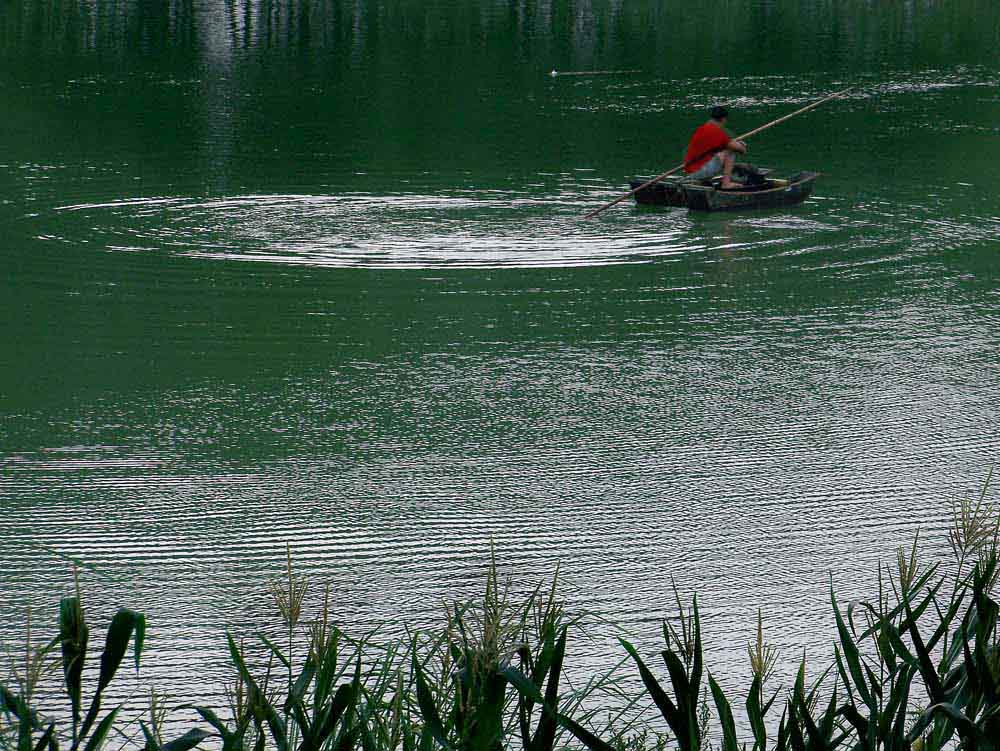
x=737, y=146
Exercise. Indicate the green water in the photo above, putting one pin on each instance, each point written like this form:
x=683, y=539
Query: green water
x=314, y=273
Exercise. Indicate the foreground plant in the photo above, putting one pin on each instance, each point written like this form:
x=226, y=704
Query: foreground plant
x=89, y=730
x=917, y=668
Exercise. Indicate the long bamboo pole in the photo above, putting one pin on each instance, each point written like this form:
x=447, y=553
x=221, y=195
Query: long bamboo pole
x=679, y=167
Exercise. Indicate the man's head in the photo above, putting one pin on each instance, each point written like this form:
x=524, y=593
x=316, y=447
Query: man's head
x=719, y=114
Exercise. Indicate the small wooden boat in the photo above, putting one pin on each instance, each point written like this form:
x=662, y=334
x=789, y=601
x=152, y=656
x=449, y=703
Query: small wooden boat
x=705, y=195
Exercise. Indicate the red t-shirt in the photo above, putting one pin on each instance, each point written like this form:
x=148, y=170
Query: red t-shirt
x=706, y=141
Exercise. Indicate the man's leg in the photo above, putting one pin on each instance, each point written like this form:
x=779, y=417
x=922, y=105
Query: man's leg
x=728, y=160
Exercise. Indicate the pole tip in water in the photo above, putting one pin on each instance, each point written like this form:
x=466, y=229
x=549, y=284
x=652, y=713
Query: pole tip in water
x=554, y=73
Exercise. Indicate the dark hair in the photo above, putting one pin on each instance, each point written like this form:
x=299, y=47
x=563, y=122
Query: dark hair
x=719, y=112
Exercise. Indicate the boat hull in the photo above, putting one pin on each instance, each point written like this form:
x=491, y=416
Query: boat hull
x=772, y=193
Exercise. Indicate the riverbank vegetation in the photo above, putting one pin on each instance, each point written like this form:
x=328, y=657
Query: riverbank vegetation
x=915, y=667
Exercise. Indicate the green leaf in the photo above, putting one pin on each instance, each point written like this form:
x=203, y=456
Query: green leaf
x=900, y=647
x=140, y=637
x=73, y=634
x=851, y=655
x=212, y=719
x=667, y=708
x=275, y=724
x=545, y=736
x=684, y=693
x=782, y=742
x=967, y=729
x=348, y=739
x=755, y=713
x=729, y=742
x=898, y=706
x=583, y=735
x=425, y=700
x=488, y=715
x=850, y=712
x=189, y=740
x=123, y=625
x=343, y=699
x=696, y=663
x=298, y=690
x=238, y=662
x=48, y=739
x=151, y=743
x=115, y=646
x=924, y=662
x=101, y=733
x=918, y=585
x=274, y=650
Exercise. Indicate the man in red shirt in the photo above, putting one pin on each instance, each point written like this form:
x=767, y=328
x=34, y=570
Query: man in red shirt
x=711, y=152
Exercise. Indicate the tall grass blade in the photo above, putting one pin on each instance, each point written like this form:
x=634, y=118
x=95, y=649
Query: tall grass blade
x=729, y=742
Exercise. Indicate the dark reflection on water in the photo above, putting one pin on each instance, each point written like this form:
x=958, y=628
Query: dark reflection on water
x=313, y=273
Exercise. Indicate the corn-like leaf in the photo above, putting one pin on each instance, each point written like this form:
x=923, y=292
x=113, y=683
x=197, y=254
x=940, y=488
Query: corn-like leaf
x=140, y=638
x=852, y=656
x=48, y=740
x=667, y=708
x=967, y=729
x=523, y=684
x=151, y=743
x=527, y=688
x=729, y=742
x=696, y=662
x=583, y=735
x=123, y=625
x=73, y=633
x=273, y=648
x=917, y=586
x=924, y=662
x=895, y=711
x=326, y=725
x=486, y=730
x=96, y=741
x=755, y=713
x=782, y=742
x=428, y=709
x=189, y=740
x=795, y=737
x=829, y=717
x=684, y=693
x=851, y=714
x=348, y=739
x=545, y=736
x=213, y=719
x=298, y=690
